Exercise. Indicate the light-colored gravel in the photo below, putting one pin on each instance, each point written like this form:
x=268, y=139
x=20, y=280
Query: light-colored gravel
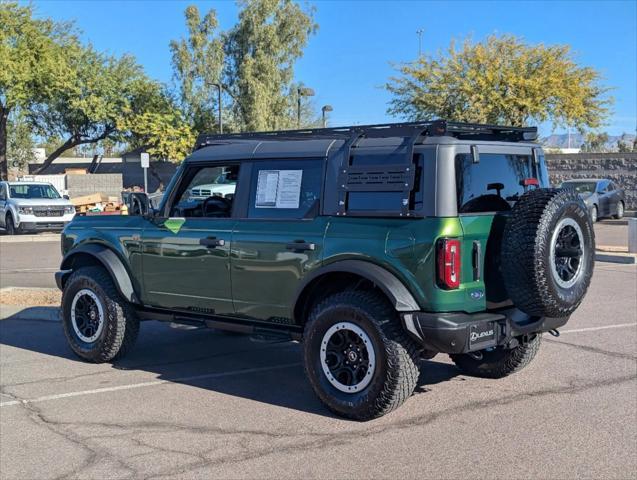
x=30, y=297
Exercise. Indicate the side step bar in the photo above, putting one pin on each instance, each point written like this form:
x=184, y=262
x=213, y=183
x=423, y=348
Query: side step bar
x=245, y=326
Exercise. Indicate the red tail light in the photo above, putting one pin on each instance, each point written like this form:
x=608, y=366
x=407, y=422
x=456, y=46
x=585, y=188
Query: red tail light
x=448, y=263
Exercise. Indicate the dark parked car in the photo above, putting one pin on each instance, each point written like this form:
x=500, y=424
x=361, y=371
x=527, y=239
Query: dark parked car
x=602, y=197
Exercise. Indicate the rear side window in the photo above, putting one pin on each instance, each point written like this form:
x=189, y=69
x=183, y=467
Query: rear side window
x=287, y=189
x=493, y=184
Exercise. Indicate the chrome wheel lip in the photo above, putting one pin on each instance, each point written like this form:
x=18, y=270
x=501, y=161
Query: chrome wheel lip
x=100, y=315
x=564, y=223
x=371, y=368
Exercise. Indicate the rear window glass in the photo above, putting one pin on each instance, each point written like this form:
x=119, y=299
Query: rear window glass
x=493, y=184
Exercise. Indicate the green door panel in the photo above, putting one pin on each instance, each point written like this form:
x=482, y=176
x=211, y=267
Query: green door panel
x=265, y=273
x=181, y=273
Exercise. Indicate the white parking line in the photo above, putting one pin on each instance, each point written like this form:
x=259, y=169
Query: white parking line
x=605, y=327
x=148, y=384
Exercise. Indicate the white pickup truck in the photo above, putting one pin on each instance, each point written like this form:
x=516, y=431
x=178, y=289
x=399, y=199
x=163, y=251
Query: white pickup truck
x=33, y=206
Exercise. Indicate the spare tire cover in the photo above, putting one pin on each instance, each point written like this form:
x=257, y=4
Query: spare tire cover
x=548, y=251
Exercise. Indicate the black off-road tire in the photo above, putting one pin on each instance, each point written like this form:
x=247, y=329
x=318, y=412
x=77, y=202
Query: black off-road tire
x=121, y=325
x=528, y=266
x=397, y=356
x=499, y=363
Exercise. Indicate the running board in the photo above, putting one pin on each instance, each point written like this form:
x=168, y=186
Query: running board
x=265, y=331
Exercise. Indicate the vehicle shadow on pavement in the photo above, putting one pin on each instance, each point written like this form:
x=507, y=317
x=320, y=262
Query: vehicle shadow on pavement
x=235, y=365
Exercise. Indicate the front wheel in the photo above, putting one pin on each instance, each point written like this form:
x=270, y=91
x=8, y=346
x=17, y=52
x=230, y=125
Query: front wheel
x=99, y=324
x=359, y=360
x=498, y=362
x=620, y=210
x=594, y=214
x=10, y=227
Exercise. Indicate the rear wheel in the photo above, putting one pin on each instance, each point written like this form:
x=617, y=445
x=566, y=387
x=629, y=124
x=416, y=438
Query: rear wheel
x=498, y=362
x=99, y=324
x=620, y=210
x=359, y=360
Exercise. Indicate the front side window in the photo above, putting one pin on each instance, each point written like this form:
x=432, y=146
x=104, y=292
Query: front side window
x=288, y=189
x=27, y=190
x=491, y=185
x=209, y=192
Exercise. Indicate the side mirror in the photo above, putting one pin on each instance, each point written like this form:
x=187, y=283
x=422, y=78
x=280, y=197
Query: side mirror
x=66, y=197
x=138, y=204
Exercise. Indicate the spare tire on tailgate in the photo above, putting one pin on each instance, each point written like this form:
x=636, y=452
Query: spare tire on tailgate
x=548, y=252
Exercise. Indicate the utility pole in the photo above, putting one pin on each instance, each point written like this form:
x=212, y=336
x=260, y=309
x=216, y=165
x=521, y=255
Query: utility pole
x=419, y=32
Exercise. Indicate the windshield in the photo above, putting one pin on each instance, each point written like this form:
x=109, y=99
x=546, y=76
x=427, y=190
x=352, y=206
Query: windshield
x=581, y=187
x=27, y=190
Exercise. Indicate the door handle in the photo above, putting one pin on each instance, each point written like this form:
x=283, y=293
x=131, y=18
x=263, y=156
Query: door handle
x=300, y=245
x=212, y=242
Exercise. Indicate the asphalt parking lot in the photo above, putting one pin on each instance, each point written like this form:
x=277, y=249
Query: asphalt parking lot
x=203, y=404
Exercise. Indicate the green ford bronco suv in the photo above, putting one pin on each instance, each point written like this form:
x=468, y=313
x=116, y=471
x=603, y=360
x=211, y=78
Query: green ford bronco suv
x=376, y=246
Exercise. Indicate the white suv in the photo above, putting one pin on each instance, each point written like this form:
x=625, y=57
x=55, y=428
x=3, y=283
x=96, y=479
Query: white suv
x=33, y=206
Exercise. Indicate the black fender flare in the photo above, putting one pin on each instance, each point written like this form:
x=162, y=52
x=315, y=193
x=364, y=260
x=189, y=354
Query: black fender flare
x=109, y=260
x=400, y=297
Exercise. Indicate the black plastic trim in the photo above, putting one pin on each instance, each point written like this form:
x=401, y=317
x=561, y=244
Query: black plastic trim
x=109, y=259
x=400, y=297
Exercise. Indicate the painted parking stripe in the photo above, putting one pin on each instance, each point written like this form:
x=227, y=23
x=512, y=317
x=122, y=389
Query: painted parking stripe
x=593, y=329
x=149, y=384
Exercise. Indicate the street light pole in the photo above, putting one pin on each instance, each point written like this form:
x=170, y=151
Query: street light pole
x=301, y=92
x=218, y=85
x=326, y=108
x=419, y=32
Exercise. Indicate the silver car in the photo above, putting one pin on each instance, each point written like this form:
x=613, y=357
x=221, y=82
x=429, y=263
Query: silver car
x=33, y=206
x=600, y=195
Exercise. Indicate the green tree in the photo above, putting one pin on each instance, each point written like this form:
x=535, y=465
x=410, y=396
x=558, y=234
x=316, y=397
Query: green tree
x=93, y=106
x=20, y=142
x=32, y=63
x=595, y=142
x=501, y=80
x=198, y=63
x=253, y=62
x=164, y=135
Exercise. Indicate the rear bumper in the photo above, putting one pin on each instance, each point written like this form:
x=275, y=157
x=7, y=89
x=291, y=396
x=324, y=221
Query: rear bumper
x=465, y=332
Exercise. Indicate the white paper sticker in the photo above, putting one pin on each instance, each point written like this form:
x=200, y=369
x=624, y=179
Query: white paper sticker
x=267, y=186
x=279, y=188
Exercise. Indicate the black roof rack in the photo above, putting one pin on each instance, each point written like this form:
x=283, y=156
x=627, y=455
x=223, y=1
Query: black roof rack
x=465, y=131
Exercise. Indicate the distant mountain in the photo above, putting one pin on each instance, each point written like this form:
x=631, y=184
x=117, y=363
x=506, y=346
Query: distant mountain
x=577, y=140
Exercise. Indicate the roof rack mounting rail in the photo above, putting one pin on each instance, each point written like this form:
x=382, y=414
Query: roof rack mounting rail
x=472, y=131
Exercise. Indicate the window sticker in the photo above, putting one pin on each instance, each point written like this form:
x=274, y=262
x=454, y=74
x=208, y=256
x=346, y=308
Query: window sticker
x=279, y=189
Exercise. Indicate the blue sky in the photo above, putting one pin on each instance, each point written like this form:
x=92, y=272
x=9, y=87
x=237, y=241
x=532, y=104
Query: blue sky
x=351, y=56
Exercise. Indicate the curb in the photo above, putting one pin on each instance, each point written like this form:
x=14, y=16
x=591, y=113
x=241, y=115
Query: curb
x=30, y=238
x=616, y=257
x=42, y=314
